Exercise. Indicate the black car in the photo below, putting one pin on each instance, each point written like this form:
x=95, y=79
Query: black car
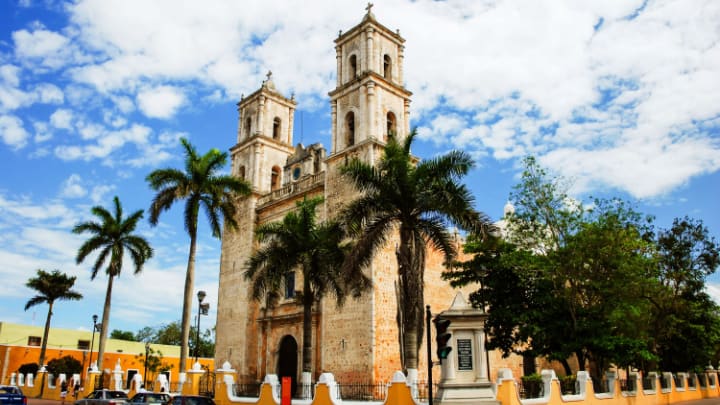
x=191, y=400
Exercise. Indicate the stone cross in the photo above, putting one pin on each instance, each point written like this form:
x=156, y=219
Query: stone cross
x=369, y=7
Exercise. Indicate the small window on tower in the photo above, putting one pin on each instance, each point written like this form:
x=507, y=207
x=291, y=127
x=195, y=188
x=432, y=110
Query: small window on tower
x=275, y=178
x=353, y=67
x=247, y=127
x=276, y=128
x=391, y=126
x=241, y=172
x=290, y=284
x=387, y=67
x=34, y=341
x=350, y=128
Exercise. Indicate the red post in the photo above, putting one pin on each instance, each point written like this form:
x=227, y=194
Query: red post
x=286, y=391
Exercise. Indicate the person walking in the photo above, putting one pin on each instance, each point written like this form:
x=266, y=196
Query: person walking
x=63, y=391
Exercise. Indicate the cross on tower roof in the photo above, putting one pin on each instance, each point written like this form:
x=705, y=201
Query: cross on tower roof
x=369, y=7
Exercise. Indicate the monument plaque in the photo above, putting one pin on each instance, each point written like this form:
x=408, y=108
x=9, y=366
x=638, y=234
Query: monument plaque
x=464, y=351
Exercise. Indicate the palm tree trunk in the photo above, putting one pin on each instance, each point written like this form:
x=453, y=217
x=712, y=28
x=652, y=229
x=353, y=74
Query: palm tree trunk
x=104, y=325
x=41, y=361
x=307, y=326
x=187, y=303
x=411, y=260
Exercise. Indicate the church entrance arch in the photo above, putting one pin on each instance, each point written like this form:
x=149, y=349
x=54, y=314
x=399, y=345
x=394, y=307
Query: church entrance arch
x=288, y=360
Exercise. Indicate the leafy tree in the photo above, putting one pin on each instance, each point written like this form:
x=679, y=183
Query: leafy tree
x=111, y=237
x=206, y=345
x=145, y=334
x=155, y=363
x=199, y=185
x=565, y=279
x=29, y=368
x=317, y=251
x=67, y=365
x=418, y=201
x=171, y=334
x=51, y=287
x=123, y=335
x=686, y=321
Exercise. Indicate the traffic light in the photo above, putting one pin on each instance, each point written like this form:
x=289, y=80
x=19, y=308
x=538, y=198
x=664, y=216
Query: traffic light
x=442, y=337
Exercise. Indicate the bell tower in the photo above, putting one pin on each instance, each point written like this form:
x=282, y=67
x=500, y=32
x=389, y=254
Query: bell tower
x=369, y=103
x=264, y=137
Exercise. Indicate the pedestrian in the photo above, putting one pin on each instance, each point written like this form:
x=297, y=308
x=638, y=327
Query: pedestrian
x=76, y=389
x=63, y=391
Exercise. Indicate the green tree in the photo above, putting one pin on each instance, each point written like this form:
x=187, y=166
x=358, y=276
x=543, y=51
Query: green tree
x=686, y=321
x=145, y=334
x=317, y=251
x=154, y=362
x=112, y=236
x=67, y=365
x=199, y=185
x=122, y=335
x=51, y=287
x=564, y=279
x=170, y=334
x=419, y=202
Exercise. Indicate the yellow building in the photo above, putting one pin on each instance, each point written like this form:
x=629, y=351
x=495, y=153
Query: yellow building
x=20, y=344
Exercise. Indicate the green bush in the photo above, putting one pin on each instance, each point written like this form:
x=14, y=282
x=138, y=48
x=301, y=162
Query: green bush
x=532, y=385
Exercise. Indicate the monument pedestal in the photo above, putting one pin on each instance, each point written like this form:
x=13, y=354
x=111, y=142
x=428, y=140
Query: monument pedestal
x=465, y=378
x=466, y=393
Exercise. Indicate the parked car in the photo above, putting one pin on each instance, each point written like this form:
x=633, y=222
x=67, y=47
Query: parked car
x=191, y=400
x=150, y=398
x=10, y=395
x=104, y=397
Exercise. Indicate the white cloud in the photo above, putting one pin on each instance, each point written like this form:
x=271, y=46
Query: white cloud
x=160, y=102
x=12, y=131
x=42, y=132
x=50, y=94
x=98, y=193
x=72, y=187
x=503, y=79
x=62, y=119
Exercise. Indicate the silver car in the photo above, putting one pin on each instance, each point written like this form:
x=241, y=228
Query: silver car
x=104, y=397
x=149, y=398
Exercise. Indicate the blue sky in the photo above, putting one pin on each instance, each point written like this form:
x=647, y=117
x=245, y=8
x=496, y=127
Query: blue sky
x=621, y=97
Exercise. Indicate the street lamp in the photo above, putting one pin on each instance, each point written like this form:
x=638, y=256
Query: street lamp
x=147, y=352
x=203, y=309
x=92, y=342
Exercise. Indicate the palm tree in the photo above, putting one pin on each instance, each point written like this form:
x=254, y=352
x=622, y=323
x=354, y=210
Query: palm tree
x=111, y=237
x=200, y=186
x=418, y=201
x=317, y=250
x=50, y=287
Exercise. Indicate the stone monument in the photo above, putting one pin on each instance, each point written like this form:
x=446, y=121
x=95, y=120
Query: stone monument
x=465, y=372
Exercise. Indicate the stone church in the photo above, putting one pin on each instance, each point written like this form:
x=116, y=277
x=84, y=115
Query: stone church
x=358, y=342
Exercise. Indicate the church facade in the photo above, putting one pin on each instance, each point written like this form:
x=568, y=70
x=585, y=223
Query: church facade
x=358, y=342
